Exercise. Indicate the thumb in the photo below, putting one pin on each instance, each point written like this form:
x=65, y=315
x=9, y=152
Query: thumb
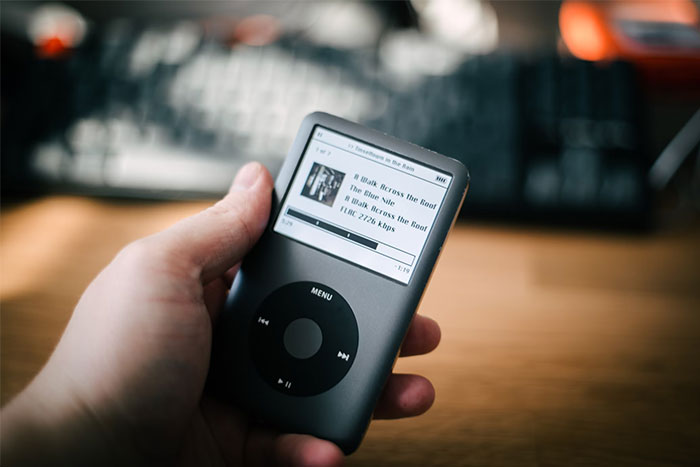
x=217, y=238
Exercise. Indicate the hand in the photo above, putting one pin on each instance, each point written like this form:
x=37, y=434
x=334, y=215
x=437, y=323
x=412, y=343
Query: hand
x=125, y=384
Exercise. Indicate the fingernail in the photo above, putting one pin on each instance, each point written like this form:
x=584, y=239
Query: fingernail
x=247, y=176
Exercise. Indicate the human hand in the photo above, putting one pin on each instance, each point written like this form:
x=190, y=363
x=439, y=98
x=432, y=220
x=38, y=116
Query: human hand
x=125, y=385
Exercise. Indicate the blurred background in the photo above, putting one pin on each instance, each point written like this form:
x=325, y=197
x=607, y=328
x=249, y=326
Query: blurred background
x=562, y=111
x=578, y=247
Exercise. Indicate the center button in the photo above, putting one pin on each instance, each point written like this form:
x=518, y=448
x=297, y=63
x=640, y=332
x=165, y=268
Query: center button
x=303, y=338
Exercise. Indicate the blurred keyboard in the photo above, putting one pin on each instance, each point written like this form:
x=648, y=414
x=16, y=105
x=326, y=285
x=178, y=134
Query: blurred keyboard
x=166, y=113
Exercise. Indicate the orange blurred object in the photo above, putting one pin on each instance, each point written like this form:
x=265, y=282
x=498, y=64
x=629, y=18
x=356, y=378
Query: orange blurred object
x=661, y=37
x=582, y=26
x=55, y=30
x=52, y=47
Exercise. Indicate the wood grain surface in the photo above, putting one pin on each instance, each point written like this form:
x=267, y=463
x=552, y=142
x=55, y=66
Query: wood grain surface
x=559, y=348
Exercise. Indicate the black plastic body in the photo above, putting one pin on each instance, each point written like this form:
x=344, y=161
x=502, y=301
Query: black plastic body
x=383, y=307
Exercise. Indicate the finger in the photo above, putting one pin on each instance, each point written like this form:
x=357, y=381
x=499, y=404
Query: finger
x=216, y=239
x=303, y=450
x=422, y=337
x=265, y=447
x=405, y=396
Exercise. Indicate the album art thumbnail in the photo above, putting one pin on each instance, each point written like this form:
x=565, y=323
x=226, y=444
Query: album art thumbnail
x=322, y=184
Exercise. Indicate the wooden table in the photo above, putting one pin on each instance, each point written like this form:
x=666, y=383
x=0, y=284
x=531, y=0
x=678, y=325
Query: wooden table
x=559, y=348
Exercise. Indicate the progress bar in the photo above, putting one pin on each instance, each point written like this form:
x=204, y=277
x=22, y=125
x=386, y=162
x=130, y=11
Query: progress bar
x=381, y=248
x=333, y=229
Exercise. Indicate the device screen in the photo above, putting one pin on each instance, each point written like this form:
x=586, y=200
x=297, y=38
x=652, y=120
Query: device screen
x=363, y=204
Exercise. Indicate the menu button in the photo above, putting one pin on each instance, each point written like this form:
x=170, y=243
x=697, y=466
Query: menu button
x=321, y=293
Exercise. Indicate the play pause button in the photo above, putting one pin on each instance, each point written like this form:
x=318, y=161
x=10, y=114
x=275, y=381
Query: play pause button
x=283, y=383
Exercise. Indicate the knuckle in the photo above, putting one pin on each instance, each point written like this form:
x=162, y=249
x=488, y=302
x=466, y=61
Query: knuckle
x=236, y=217
x=135, y=252
x=140, y=253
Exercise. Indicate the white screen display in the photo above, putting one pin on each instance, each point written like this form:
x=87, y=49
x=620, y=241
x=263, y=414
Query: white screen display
x=363, y=204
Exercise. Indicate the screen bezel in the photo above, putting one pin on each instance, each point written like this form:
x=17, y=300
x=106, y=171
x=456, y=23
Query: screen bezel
x=308, y=135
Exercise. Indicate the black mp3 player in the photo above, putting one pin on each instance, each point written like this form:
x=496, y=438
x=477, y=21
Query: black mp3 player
x=317, y=313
